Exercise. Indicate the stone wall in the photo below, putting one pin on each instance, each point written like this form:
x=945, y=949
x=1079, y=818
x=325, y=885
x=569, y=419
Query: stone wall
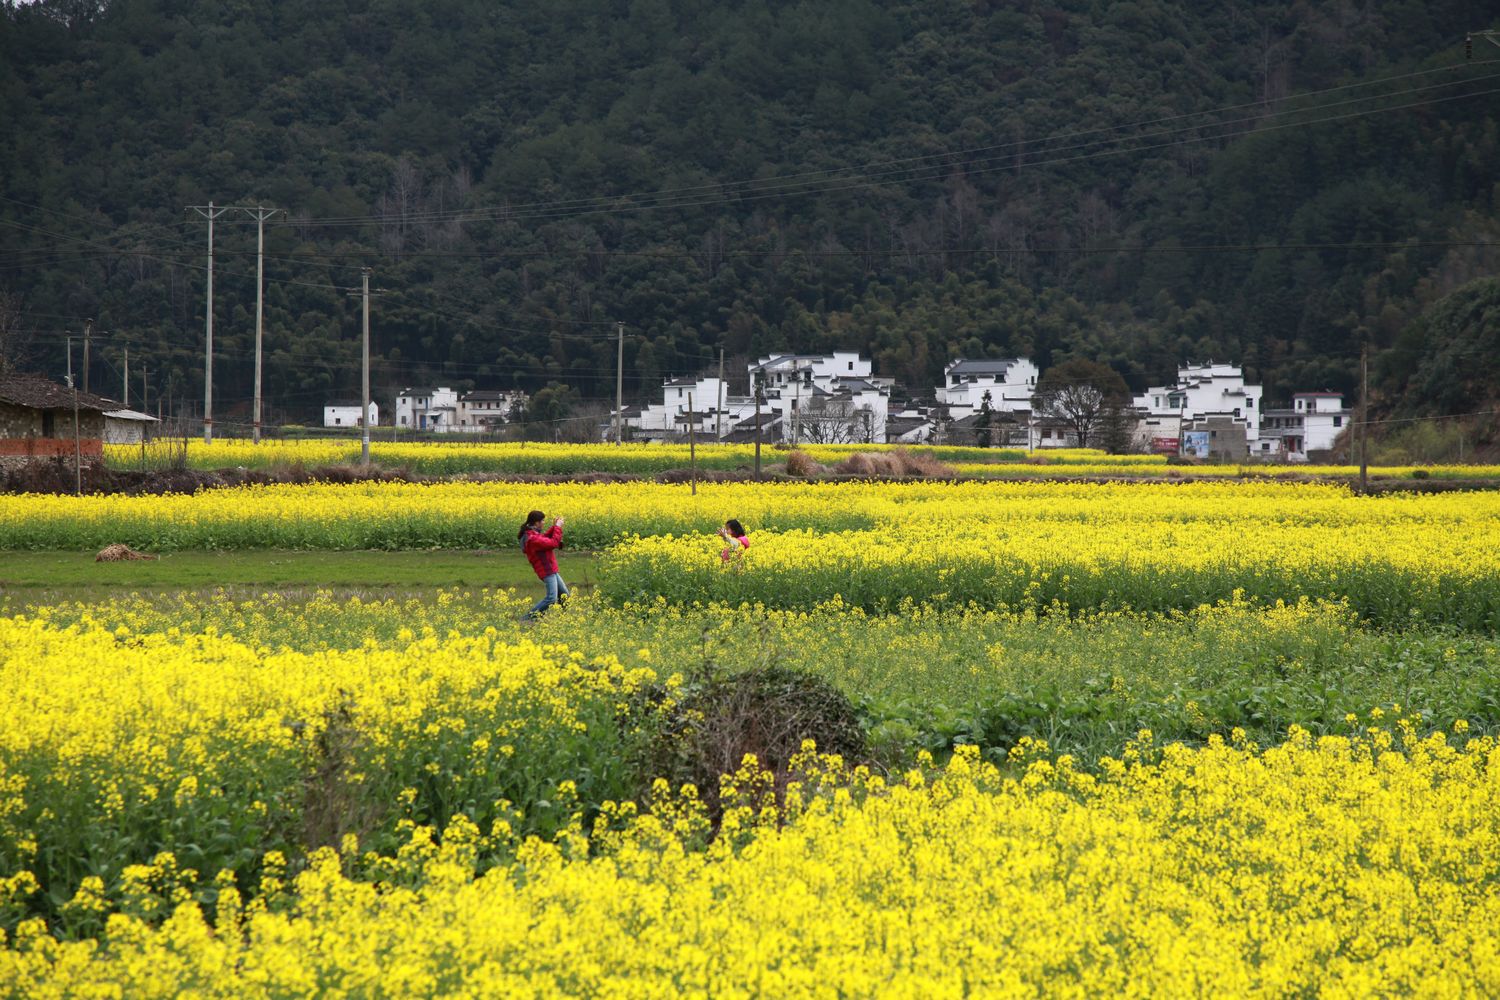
x=25, y=433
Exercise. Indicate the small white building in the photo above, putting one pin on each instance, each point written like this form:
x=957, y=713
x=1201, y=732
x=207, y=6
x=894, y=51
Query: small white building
x=346, y=414
x=824, y=398
x=1011, y=382
x=422, y=409
x=1206, y=390
x=686, y=400
x=782, y=372
x=1312, y=423
x=1157, y=433
x=487, y=410
x=127, y=426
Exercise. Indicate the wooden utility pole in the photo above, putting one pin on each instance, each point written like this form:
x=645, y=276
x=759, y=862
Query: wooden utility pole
x=88, y=332
x=719, y=403
x=692, y=446
x=755, y=391
x=126, y=380
x=1364, y=418
x=210, y=213
x=77, y=441
x=620, y=385
x=260, y=214
x=145, y=392
x=364, y=378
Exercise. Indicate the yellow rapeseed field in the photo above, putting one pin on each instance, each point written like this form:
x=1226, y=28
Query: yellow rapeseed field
x=284, y=795
x=1343, y=867
x=461, y=456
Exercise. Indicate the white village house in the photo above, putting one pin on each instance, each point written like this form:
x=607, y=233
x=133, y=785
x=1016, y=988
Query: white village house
x=1312, y=423
x=807, y=398
x=346, y=414
x=824, y=398
x=1202, y=393
x=1011, y=382
x=422, y=409
x=483, y=411
x=703, y=403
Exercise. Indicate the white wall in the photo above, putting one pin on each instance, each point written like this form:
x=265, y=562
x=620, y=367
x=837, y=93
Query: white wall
x=963, y=394
x=1208, y=389
x=415, y=411
x=348, y=416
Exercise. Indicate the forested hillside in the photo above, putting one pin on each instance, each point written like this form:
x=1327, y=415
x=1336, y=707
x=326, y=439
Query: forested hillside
x=1135, y=182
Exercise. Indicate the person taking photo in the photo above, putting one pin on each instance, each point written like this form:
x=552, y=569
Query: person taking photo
x=540, y=547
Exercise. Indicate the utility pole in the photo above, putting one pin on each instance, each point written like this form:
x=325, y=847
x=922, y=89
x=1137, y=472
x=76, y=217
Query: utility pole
x=797, y=414
x=88, y=332
x=126, y=380
x=364, y=368
x=210, y=213
x=77, y=442
x=692, y=445
x=260, y=214
x=364, y=377
x=1364, y=417
x=1490, y=36
x=145, y=392
x=620, y=386
x=719, y=404
x=755, y=391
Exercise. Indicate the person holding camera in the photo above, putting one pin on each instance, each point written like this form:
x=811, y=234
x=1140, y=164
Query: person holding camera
x=733, y=532
x=540, y=547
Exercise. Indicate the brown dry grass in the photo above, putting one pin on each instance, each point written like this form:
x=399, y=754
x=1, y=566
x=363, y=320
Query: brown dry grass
x=119, y=552
x=899, y=462
x=801, y=464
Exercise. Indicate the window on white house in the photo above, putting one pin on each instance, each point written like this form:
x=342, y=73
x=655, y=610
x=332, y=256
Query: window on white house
x=1338, y=421
x=1249, y=404
x=338, y=420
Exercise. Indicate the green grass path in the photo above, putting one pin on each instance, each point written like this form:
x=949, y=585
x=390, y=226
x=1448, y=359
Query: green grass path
x=75, y=575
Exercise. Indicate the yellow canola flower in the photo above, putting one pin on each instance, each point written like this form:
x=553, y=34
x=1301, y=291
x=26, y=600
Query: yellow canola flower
x=213, y=748
x=460, y=455
x=1099, y=546
x=1330, y=867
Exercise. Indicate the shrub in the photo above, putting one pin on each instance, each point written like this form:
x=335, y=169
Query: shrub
x=764, y=711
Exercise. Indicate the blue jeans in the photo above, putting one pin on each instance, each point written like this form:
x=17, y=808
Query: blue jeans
x=556, y=591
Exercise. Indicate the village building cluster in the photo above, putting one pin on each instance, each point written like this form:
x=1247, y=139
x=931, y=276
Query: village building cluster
x=443, y=410
x=1209, y=412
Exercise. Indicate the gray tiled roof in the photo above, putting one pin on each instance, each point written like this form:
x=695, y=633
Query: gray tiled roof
x=39, y=393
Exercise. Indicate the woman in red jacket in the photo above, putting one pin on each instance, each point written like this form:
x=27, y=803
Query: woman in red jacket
x=541, y=548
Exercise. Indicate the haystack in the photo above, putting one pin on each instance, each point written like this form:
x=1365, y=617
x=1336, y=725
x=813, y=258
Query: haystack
x=119, y=553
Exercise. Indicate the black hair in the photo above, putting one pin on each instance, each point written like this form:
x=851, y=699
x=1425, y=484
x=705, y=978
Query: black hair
x=735, y=528
x=535, y=517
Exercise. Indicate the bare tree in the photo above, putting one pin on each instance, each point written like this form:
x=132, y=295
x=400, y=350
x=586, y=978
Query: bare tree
x=837, y=421
x=1089, y=397
x=15, y=339
x=397, y=205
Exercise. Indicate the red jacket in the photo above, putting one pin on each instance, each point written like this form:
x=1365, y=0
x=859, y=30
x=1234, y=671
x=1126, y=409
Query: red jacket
x=541, y=548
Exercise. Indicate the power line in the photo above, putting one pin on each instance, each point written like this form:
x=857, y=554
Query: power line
x=913, y=251
x=755, y=186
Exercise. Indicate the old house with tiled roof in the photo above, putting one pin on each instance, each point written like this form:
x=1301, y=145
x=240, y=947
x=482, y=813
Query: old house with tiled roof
x=36, y=419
